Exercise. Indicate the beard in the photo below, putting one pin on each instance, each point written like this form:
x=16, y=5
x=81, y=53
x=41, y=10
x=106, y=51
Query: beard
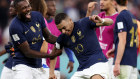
x=23, y=18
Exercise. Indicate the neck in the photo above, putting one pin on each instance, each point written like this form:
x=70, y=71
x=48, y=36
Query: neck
x=19, y=17
x=110, y=11
x=120, y=8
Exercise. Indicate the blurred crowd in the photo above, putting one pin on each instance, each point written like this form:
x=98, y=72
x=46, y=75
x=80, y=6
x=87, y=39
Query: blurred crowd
x=76, y=9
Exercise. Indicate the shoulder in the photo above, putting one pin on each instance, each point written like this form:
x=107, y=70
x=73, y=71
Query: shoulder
x=123, y=14
x=36, y=14
x=15, y=24
x=86, y=19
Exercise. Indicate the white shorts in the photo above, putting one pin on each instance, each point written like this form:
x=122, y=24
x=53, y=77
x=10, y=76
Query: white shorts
x=100, y=68
x=126, y=72
x=22, y=71
x=6, y=73
x=110, y=62
x=57, y=73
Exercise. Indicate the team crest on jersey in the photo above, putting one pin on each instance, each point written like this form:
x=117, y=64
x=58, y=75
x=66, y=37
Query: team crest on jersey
x=32, y=28
x=79, y=33
x=134, y=21
x=37, y=25
x=73, y=39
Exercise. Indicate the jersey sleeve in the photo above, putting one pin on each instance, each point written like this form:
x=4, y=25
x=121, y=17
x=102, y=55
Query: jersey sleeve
x=17, y=34
x=88, y=22
x=61, y=41
x=69, y=54
x=121, y=24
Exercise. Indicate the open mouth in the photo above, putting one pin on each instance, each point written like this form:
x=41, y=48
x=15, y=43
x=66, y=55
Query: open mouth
x=28, y=15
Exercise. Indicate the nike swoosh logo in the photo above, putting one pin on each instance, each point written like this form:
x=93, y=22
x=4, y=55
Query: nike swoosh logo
x=26, y=31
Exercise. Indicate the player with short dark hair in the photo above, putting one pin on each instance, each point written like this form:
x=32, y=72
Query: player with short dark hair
x=82, y=40
x=125, y=39
x=51, y=6
x=27, y=31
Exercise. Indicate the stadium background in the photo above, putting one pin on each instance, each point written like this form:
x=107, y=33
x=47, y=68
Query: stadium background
x=76, y=9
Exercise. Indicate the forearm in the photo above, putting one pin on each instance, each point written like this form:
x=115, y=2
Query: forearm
x=52, y=65
x=28, y=52
x=2, y=52
x=69, y=54
x=51, y=39
x=48, y=36
x=120, y=52
x=88, y=13
x=105, y=22
x=36, y=54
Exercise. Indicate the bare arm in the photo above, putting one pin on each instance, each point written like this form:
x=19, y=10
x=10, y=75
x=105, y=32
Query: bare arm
x=44, y=47
x=101, y=22
x=52, y=68
x=91, y=7
x=120, y=52
x=25, y=49
x=53, y=62
x=2, y=52
x=48, y=36
x=121, y=47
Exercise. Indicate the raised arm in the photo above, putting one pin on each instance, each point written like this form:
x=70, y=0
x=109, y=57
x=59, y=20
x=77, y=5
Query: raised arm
x=101, y=22
x=91, y=7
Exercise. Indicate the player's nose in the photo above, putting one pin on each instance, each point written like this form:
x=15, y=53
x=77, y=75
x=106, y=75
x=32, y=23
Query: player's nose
x=63, y=31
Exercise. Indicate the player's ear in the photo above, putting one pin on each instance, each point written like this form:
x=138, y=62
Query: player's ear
x=70, y=20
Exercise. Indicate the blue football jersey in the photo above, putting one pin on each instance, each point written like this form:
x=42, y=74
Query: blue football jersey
x=32, y=33
x=126, y=22
x=84, y=43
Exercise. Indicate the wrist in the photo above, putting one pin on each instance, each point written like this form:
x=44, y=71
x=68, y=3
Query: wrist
x=71, y=61
x=103, y=20
x=117, y=63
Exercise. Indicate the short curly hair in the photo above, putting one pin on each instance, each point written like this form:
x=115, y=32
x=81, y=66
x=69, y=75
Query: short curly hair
x=16, y=3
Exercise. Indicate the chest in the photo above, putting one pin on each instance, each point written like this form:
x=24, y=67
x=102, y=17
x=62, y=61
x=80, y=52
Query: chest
x=33, y=32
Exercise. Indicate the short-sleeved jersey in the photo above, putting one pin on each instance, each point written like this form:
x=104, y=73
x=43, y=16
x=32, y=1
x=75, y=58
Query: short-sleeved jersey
x=105, y=34
x=126, y=22
x=84, y=43
x=9, y=62
x=31, y=32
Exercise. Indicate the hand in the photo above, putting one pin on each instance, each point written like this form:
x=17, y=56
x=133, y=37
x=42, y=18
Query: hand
x=110, y=53
x=96, y=19
x=91, y=6
x=55, y=53
x=116, y=70
x=52, y=76
x=70, y=64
